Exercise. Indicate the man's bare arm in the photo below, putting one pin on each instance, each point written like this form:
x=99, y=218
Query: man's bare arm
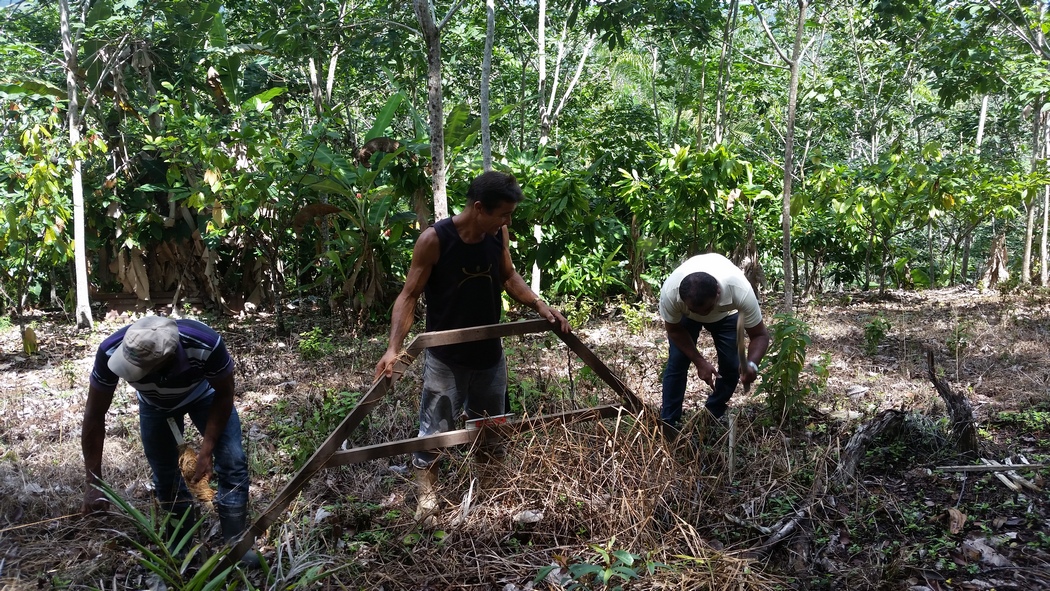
x=424, y=257
x=520, y=291
x=92, y=437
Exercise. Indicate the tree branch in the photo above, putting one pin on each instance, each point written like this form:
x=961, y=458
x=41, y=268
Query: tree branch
x=451, y=11
x=576, y=77
x=769, y=35
x=760, y=62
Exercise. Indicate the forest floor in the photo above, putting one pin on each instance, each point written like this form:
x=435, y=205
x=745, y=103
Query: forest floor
x=779, y=512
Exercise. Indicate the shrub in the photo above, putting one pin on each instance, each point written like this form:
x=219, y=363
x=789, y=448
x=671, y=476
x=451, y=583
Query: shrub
x=874, y=331
x=782, y=382
x=315, y=345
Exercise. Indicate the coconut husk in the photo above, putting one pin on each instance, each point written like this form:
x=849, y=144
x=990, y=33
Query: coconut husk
x=188, y=465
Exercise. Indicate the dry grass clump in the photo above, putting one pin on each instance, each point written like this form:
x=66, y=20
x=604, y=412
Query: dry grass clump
x=565, y=489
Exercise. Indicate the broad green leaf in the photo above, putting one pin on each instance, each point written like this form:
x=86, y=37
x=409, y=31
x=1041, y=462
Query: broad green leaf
x=457, y=126
x=32, y=87
x=263, y=97
x=385, y=117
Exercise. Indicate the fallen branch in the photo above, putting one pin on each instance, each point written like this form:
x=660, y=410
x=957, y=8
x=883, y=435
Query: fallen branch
x=856, y=449
x=1010, y=484
x=989, y=467
x=960, y=412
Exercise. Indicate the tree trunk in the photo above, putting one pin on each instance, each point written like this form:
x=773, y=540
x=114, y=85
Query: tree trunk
x=1026, y=264
x=541, y=71
x=432, y=35
x=700, y=107
x=486, y=74
x=980, y=123
x=964, y=273
x=960, y=413
x=83, y=309
x=789, y=149
x=721, y=89
x=1046, y=205
x=656, y=102
x=933, y=254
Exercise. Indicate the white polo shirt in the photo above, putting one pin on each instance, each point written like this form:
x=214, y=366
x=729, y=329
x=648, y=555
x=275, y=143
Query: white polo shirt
x=737, y=294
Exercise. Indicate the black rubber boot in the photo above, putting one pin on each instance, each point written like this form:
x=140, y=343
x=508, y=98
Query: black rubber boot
x=179, y=529
x=233, y=521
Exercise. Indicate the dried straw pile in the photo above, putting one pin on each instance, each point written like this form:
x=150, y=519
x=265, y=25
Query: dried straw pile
x=562, y=490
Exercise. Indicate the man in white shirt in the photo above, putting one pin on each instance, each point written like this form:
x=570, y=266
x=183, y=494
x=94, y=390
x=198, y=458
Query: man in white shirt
x=708, y=292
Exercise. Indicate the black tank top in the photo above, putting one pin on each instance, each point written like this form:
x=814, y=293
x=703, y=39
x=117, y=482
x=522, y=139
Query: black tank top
x=464, y=290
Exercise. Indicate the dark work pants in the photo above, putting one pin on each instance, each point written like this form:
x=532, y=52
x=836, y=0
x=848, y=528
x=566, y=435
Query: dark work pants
x=676, y=373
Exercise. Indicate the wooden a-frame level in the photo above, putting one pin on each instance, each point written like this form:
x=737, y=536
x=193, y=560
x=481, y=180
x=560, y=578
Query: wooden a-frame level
x=329, y=455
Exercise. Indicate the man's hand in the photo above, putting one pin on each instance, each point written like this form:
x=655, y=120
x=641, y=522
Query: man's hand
x=707, y=372
x=748, y=373
x=553, y=316
x=385, y=367
x=94, y=500
x=204, y=468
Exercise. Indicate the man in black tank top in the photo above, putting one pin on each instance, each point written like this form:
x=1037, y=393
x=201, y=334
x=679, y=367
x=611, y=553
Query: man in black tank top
x=463, y=264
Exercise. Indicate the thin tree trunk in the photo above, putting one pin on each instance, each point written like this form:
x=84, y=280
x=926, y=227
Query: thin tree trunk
x=432, y=35
x=656, y=102
x=315, y=87
x=700, y=107
x=486, y=74
x=541, y=70
x=1042, y=247
x=545, y=123
x=965, y=271
x=723, y=72
x=980, y=123
x=83, y=309
x=1046, y=203
x=933, y=264
x=1037, y=120
x=789, y=148
x=680, y=106
x=1026, y=263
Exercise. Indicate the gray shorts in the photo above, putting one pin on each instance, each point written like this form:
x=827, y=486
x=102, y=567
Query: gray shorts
x=449, y=393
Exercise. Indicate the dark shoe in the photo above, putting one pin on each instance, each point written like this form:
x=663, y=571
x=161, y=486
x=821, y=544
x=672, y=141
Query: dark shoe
x=420, y=463
x=233, y=522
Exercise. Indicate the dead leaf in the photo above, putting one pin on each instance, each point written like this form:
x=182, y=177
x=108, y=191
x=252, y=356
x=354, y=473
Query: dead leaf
x=310, y=212
x=988, y=555
x=956, y=520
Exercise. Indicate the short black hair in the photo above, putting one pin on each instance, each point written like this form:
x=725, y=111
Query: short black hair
x=698, y=288
x=494, y=188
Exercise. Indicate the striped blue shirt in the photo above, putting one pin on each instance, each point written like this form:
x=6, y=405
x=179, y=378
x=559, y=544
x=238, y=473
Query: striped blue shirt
x=201, y=356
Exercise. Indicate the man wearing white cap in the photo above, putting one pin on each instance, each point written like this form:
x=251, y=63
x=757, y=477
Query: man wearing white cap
x=178, y=368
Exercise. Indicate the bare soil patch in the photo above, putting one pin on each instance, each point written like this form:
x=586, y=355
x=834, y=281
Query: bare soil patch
x=781, y=521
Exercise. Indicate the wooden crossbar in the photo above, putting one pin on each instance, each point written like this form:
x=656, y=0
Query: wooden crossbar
x=464, y=436
x=329, y=454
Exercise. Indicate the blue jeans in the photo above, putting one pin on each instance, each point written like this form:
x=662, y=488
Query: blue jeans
x=676, y=374
x=449, y=391
x=231, y=464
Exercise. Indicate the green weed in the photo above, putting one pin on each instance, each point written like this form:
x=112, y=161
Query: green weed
x=874, y=331
x=784, y=382
x=610, y=570
x=637, y=317
x=69, y=371
x=579, y=311
x=315, y=345
x=960, y=337
x=300, y=433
